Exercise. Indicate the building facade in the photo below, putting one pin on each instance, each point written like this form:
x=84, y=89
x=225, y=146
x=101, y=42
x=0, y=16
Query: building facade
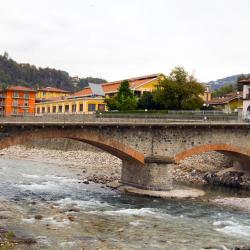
x=228, y=103
x=71, y=105
x=17, y=101
x=246, y=99
x=138, y=85
x=50, y=93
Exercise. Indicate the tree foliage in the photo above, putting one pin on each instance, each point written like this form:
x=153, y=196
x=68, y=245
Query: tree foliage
x=84, y=82
x=146, y=101
x=29, y=75
x=179, y=91
x=223, y=90
x=124, y=100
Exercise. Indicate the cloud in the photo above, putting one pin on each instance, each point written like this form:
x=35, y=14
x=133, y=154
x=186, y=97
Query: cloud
x=117, y=39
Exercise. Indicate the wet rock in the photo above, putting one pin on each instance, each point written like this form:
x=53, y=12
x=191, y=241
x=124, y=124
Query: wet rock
x=71, y=218
x=114, y=184
x=241, y=248
x=85, y=181
x=74, y=209
x=228, y=179
x=38, y=217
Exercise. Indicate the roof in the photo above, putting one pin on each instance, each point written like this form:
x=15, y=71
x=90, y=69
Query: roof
x=245, y=81
x=52, y=89
x=20, y=88
x=225, y=99
x=112, y=87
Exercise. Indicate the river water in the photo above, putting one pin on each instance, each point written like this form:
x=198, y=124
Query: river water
x=80, y=216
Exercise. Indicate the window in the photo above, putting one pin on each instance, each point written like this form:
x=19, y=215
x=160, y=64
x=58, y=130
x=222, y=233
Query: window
x=73, y=107
x=48, y=109
x=66, y=108
x=38, y=110
x=81, y=107
x=26, y=95
x=15, y=103
x=101, y=107
x=15, y=94
x=137, y=93
x=44, y=94
x=43, y=110
x=91, y=107
x=60, y=109
x=54, y=109
x=26, y=103
x=15, y=111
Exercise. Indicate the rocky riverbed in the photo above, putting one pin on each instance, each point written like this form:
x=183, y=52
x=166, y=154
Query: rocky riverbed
x=97, y=167
x=211, y=168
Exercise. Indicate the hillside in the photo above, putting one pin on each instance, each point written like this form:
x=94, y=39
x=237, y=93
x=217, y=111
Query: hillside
x=13, y=73
x=230, y=80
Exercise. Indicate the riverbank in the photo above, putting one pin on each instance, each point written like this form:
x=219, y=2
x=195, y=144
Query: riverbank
x=90, y=166
x=52, y=204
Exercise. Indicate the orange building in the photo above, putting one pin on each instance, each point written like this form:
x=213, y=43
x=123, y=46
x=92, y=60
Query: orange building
x=17, y=101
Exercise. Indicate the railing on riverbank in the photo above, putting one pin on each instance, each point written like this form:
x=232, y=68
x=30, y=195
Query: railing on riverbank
x=206, y=115
x=201, y=117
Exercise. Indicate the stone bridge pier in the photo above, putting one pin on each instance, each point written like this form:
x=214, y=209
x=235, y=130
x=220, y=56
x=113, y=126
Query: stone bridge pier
x=146, y=150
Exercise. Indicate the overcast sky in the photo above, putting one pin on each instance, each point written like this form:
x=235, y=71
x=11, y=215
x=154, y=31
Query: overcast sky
x=117, y=39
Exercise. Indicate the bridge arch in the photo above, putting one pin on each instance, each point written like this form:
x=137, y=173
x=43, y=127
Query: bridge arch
x=239, y=153
x=95, y=138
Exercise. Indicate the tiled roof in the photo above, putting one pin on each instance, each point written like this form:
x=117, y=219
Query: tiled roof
x=20, y=88
x=52, y=89
x=245, y=81
x=112, y=87
x=227, y=98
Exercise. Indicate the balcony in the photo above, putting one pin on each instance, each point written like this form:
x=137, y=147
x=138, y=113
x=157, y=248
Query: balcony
x=247, y=96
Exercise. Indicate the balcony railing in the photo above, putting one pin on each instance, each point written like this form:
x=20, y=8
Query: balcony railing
x=247, y=96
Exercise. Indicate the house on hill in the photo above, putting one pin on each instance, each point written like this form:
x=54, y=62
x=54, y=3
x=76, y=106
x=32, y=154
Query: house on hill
x=231, y=102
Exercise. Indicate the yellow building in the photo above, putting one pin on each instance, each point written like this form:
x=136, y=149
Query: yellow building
x=50, y=93
x=138, y=85
x=52, y=101
x=71, y=104
x=229, y=103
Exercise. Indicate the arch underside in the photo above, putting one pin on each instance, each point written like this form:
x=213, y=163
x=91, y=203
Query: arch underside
x=120, y=150
x=238, y=153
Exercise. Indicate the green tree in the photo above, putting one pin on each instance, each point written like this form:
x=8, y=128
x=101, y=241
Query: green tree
x=179, y=91
x=124, y=100
x=146, y=101
x=223, y=90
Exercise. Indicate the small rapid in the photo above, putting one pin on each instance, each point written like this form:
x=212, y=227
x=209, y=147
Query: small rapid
x=49, y=203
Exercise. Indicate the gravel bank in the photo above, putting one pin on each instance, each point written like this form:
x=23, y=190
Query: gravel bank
x=98, y=167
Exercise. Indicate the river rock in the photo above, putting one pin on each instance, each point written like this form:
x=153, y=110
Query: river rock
x=228, y=179
x=38, y=217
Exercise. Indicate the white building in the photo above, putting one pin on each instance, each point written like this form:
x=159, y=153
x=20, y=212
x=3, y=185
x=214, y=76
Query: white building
x=246, y=99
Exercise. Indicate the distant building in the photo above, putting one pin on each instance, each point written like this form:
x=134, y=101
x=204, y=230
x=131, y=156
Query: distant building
x=246, y=98
x=207, y=95
x=17, y=101
x=71, y=104
x=138, y=85
x=50, y=93
x=228, y=103
x=85, y=101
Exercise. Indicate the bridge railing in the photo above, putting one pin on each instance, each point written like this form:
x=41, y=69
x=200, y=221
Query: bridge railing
x=116, y=118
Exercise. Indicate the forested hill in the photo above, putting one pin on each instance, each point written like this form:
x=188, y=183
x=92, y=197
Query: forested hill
x=13, y=73
x=230, y=80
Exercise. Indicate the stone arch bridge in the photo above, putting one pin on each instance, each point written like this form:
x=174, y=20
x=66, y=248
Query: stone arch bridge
x=146, y=149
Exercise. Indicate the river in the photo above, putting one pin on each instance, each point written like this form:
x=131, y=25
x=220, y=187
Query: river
x=89, y=216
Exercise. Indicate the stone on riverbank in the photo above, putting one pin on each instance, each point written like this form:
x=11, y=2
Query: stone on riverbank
x=237, y=203
x=175, y=193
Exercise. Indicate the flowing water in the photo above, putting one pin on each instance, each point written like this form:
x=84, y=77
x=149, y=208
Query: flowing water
x=80, y=216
